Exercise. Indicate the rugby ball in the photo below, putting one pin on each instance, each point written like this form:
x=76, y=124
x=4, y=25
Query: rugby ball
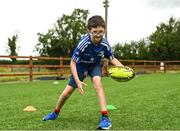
x=121, y=74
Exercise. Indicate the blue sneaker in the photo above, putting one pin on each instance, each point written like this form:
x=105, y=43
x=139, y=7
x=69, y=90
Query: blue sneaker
x=50, y=116
x=105, y=123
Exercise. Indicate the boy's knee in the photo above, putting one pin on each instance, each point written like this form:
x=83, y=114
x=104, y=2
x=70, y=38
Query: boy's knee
x=97, y=88
x=97, y=82
x=66, y=95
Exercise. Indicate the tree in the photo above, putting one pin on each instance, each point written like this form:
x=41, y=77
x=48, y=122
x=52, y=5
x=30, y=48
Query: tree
x=163, y=44
x=12, y=46
x=143, y=49
x=63, y=37
x=117, y=49
x=165, y=41
x=133, y=50
x=126, y=50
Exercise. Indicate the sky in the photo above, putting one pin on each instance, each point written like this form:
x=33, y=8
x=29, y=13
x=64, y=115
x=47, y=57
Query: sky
x=127, y=19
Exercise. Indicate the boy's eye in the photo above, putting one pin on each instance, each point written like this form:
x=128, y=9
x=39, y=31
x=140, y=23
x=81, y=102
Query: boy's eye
x=97, y=32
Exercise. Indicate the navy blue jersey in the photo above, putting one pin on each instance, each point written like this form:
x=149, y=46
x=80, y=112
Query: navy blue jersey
x=88, y=53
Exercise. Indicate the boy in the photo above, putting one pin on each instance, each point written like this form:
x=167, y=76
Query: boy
x=86, y=60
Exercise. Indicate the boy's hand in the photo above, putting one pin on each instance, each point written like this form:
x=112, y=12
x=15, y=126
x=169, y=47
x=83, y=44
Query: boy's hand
x=80, y=87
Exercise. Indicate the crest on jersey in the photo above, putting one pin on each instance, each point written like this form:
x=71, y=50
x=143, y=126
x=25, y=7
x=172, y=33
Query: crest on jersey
x=101, y=53
x=92, y=59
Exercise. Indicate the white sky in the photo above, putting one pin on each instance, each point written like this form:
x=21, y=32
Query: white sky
x=127, y=19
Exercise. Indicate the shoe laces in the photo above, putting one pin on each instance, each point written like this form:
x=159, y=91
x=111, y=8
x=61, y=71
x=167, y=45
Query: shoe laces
x=105, y=118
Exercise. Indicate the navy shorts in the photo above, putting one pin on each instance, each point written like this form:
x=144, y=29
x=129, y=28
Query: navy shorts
x=95, y=70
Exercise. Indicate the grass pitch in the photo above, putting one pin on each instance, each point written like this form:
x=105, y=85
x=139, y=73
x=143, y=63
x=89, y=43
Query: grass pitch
x=148, y=102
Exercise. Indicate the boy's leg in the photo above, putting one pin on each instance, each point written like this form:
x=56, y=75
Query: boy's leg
x=96, y=74
x=68, y=91
x=105, y=122
x=61, y=101
x=63, y=97
x=100, y=92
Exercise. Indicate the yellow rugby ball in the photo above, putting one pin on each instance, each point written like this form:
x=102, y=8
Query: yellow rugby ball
x=121, y=74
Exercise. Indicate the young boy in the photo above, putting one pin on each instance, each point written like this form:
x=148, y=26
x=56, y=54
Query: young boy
x=86, y=60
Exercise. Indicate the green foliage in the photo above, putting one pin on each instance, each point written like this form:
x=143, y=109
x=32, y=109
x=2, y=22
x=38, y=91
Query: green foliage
x=26, y=62
x=63, y=37
x=12, y=46
x=143, y=50
x=118, y=50
x=6, y=62
x=165, y=41
x=123, y=51
x=163, y=44
x=133, y=50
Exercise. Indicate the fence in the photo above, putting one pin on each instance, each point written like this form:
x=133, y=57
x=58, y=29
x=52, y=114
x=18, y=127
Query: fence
x=61, y=67
x=155, y=66
x=33, y=68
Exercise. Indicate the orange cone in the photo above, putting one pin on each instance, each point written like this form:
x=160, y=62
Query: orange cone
x=30, y=109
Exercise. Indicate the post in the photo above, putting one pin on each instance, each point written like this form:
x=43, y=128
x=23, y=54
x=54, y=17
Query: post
x=155, y=68
x=162, y=66
x=61, y=66
x=133, y=65
x=165, y=67
x=106, y=5
x=61, y=62
x=30, y=69
x=145, y=67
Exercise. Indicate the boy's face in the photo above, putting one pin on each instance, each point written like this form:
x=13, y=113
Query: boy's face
x=97, y=34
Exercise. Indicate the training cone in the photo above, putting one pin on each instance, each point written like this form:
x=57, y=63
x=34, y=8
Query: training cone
x=55, y=82
x=111, y=107
x=30, y=109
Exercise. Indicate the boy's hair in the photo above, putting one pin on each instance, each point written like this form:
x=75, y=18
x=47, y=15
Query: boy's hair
x=95, y=21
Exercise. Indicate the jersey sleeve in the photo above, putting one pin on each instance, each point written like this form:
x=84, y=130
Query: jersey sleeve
x=80, y=48
x=76, y=55
x=108, y=52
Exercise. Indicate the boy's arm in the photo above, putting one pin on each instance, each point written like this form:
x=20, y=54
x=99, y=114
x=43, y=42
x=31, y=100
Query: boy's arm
x=76, y=78
x=115, y=62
